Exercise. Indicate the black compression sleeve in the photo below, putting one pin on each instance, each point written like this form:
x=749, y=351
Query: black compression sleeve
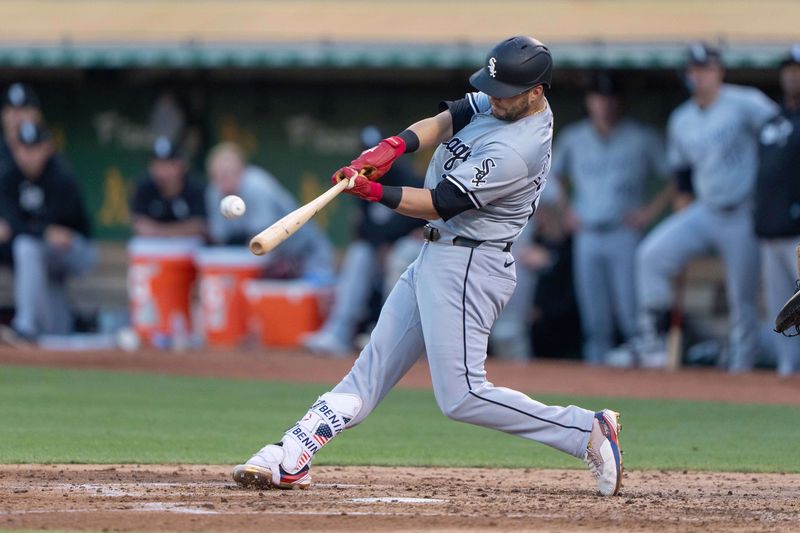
x=449, y=201
x=391, y=196
x=460, y=110
x=411, y=140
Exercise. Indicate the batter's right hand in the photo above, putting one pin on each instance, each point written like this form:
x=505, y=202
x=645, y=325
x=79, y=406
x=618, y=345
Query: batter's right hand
x=376, y=161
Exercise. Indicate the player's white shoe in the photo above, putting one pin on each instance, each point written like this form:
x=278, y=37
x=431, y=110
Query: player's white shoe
x=264, y=471
x=603, y=455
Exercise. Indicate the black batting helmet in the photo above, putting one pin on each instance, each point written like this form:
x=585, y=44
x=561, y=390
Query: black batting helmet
x=514, y=66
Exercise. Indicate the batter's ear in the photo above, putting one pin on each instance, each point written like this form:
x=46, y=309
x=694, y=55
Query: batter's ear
x=535, y=93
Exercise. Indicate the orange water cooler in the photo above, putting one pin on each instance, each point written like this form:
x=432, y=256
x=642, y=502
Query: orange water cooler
x=282, y=312
x=160, y=279
x=223, y=270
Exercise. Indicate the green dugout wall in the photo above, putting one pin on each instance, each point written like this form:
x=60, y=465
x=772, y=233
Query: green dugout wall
x=299, y=124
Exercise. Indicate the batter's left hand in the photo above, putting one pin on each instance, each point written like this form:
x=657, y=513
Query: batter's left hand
x=361, y=186
x=376, y=161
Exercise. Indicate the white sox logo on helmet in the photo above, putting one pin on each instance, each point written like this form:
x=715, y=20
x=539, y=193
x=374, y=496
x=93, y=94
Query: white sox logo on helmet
x=492, y=68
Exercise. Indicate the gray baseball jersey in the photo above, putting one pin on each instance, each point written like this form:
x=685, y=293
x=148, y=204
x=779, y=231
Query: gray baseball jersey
x=719, y=143
x=608, y=174
x=501, y=166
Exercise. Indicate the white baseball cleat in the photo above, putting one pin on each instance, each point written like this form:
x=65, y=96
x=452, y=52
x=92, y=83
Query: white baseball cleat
x=603, y=455
x=264, y=471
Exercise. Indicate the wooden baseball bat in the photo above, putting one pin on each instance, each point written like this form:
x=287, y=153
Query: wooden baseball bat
x=284, y=228
x=675, y=333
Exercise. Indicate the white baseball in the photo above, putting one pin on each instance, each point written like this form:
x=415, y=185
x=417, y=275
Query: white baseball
x=232, y=206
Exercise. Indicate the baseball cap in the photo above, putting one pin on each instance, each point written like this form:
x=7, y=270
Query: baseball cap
x=32, y=133
x=793, y=57
x=702, y=54
x=603, y=82
x=20, y=95
x=164, y=148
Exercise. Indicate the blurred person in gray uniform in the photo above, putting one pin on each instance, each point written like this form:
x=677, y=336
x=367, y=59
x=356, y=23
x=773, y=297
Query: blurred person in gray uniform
x=43, y=206
x=308, y=254
x=777, y=205
x=712, y=137
x=378, y=252
x=168, y=202
x=608, y=159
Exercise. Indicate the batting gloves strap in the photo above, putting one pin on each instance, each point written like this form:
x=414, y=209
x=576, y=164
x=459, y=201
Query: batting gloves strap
x=376, y=161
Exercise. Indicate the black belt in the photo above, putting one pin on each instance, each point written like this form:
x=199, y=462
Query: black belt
x=432, y=234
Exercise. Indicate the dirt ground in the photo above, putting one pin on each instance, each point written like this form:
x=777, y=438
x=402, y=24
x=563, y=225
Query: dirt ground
x=192, y=498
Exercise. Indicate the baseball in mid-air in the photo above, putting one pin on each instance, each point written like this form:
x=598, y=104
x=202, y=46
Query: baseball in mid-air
x=232, y=206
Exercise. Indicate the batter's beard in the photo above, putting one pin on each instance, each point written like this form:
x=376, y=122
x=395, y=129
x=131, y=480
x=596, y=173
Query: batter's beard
x=514, y=113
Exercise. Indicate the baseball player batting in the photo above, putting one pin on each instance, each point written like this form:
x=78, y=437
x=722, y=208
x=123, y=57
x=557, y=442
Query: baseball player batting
x=481, y=187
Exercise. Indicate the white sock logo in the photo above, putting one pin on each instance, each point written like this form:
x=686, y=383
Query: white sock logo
x=492, y=70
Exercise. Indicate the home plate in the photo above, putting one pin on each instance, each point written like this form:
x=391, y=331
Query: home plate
x=390, y=499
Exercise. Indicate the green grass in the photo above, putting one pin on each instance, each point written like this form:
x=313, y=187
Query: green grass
x=103, y=417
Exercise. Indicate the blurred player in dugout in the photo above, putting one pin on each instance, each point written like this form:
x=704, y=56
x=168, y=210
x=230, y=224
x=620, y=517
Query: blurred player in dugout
x=168, y=202
x=20, y=103
x=777, y=205
x=44, y=218
x=607, y=159
x=712, y=147
x=308, y=254
x=373, y=261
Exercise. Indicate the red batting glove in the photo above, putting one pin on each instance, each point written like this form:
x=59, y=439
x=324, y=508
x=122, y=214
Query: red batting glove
x=376, y=161
x=362, y=187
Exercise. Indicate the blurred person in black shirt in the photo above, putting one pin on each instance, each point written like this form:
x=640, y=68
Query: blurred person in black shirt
x=167, y=201
x=364, y=266
x=20, y=103
x=777, y=211
x=45, y=220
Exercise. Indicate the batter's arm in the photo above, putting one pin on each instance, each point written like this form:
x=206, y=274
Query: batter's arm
x=434, y=130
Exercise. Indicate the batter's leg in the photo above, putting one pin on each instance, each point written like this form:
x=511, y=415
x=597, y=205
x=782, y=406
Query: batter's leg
x=395, y=344
x=592, y=288
x=460, y=293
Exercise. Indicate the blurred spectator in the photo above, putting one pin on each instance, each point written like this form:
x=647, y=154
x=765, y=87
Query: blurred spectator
x=608, y=159
x=777, y=212
x=307, y=254
x=712, y=137
x=554, y=311
x=379, y=251
x=167, y=202
x=20, y=103
x=50, y=229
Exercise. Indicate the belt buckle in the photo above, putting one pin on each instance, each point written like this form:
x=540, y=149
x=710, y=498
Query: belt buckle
x=430, y=233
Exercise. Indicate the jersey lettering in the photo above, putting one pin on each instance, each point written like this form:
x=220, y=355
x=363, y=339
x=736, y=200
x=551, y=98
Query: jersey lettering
x=460, y=150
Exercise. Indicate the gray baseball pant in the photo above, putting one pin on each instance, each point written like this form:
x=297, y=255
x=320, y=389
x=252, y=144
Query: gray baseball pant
x=694, y=231
x=444, y=305
x=40, y=273
x=779, y=271
x=604, y=272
